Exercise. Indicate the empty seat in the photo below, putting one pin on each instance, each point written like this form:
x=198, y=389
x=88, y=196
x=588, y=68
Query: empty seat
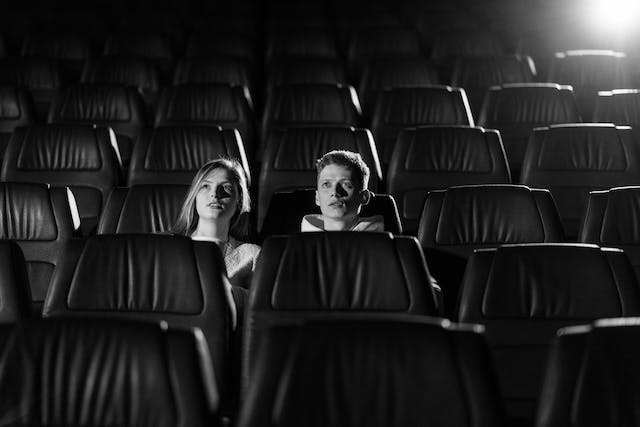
x=458, y=220
x=151, y=208
x=611, y=219
x=14, y=285
x=515, y=109
x=620, y=106
x=592, y=375
x=314, y=274
x=148, y=277
x=97, y=372
x=40, y=76
x=173, y=154
x=41, y=220
x=310, y=104
x=70, y=50
x=523, y=293
x=306, y=43
x=438, y=157
x=304, y=71
x=477, y=73
x=325, y=370
x=82, y=158
x=290, y=155
x=152, y=47
x=16, y=109
x=116, y=106
x=238, y=45
x=218, y=105
x=410, y=107
x=287, y=208
x=572, y=160
x=380, y=74
x=590, y=71
x=220, y=69
x=448, y=45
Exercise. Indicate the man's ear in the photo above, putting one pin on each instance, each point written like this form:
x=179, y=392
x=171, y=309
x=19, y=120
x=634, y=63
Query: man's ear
x=365, y=196
x=317, y=199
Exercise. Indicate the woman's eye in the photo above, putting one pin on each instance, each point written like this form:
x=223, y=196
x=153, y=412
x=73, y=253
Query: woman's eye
x=228, y=188
x=325, y=185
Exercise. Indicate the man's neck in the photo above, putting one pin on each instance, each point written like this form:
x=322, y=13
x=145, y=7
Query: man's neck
x=346, y=224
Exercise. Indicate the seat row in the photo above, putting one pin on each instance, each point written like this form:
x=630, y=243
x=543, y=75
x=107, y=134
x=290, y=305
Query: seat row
x=521, y=294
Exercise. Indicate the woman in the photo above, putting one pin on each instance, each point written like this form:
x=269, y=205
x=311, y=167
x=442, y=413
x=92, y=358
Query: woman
x=215, y=203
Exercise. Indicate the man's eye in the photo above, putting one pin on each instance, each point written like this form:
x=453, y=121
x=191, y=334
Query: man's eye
x=325, y=185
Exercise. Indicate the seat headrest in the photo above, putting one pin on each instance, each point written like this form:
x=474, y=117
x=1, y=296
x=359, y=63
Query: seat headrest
x=338, y=271
x=590, y=68
x=621, y=219
x=15, y=294
x=532, y=104
x=448, y=149
x=484, y=215
x=315, y=103
x=27, y=212
x=200, y=103
x=109, y=276
x=14, y=103
x=135, y=72
x=551, y=282
x=94, y=103
x=32, y=73
x=421, y=106
x=583, y=147
x=59, y=148
x=152, y=46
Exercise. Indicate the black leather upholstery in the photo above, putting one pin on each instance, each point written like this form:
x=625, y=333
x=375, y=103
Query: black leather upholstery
x=290, y=155
x=217, y=105
x=220, y=69
x=312, y=274
x=590, y=71
x=208, y=44
x=477, y=73
x=139, y=45
x=147, y=277
x=516, y=109
x=116, y=106
x=410, y=107
x=571, y=160
x=621, y=107
x=70, y=50
x=173, y=154
x=449, y=45
x=456, y=221
x=15, y=295
x=380, y=74
x=524, y=293
x=305, y=71
x=310, y=104
x=127, y=71
x=286, y=210
x=438, y=157
x=306, y=43
x=41, y=220
x=96, y=372
x=80, y=157
x=611, y=219
x=16, y=109
x=373, y=371
x=149, y=208
x=592, y=376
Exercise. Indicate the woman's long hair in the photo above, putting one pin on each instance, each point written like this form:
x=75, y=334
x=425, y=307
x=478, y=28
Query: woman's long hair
x=188, y=217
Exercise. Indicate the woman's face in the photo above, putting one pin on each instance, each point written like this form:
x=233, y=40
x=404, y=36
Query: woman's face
x=217, y=198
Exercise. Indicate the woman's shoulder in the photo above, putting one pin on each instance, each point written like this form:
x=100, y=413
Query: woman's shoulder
x=246, y=247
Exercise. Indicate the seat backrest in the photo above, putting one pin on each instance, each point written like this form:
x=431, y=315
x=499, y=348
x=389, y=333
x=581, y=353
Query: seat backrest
x=147, y=277
x=400, y=108
x=15, y=294
x=116, y=106
x=571, y=160
x=41, y=220
x=155, y=47
x=310, y=104
x=309, y=372
x=305, y=71
x=286, y=210
x=611, y=219
x=290, y=155
x=305, y=43
x=620, y=106
x=380, y=74
x=151, y=208
x=79, y=372
x=173, y=154
x=448, y=45
x=523, y=293
x=311, y=274
x=16, y=109
x=127, y=71
x=220, y=69
x=516, y=109
x=591, y=376
x=238, y=45
x=82, y=158
x=218, y=105
x=71, y=50
x=437, y=157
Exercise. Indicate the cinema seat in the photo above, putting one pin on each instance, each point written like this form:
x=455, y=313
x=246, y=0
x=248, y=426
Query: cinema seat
x=15, y=293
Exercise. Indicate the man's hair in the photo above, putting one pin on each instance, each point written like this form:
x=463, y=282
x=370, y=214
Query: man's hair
x=350, y=160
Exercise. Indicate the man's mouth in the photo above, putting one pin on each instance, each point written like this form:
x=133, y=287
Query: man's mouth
x=337, y=203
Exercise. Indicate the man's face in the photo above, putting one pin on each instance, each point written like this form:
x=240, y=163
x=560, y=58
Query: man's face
x=337, y=194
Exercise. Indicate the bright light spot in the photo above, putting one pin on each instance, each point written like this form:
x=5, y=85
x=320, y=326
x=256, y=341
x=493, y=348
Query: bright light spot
x=613, y=16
